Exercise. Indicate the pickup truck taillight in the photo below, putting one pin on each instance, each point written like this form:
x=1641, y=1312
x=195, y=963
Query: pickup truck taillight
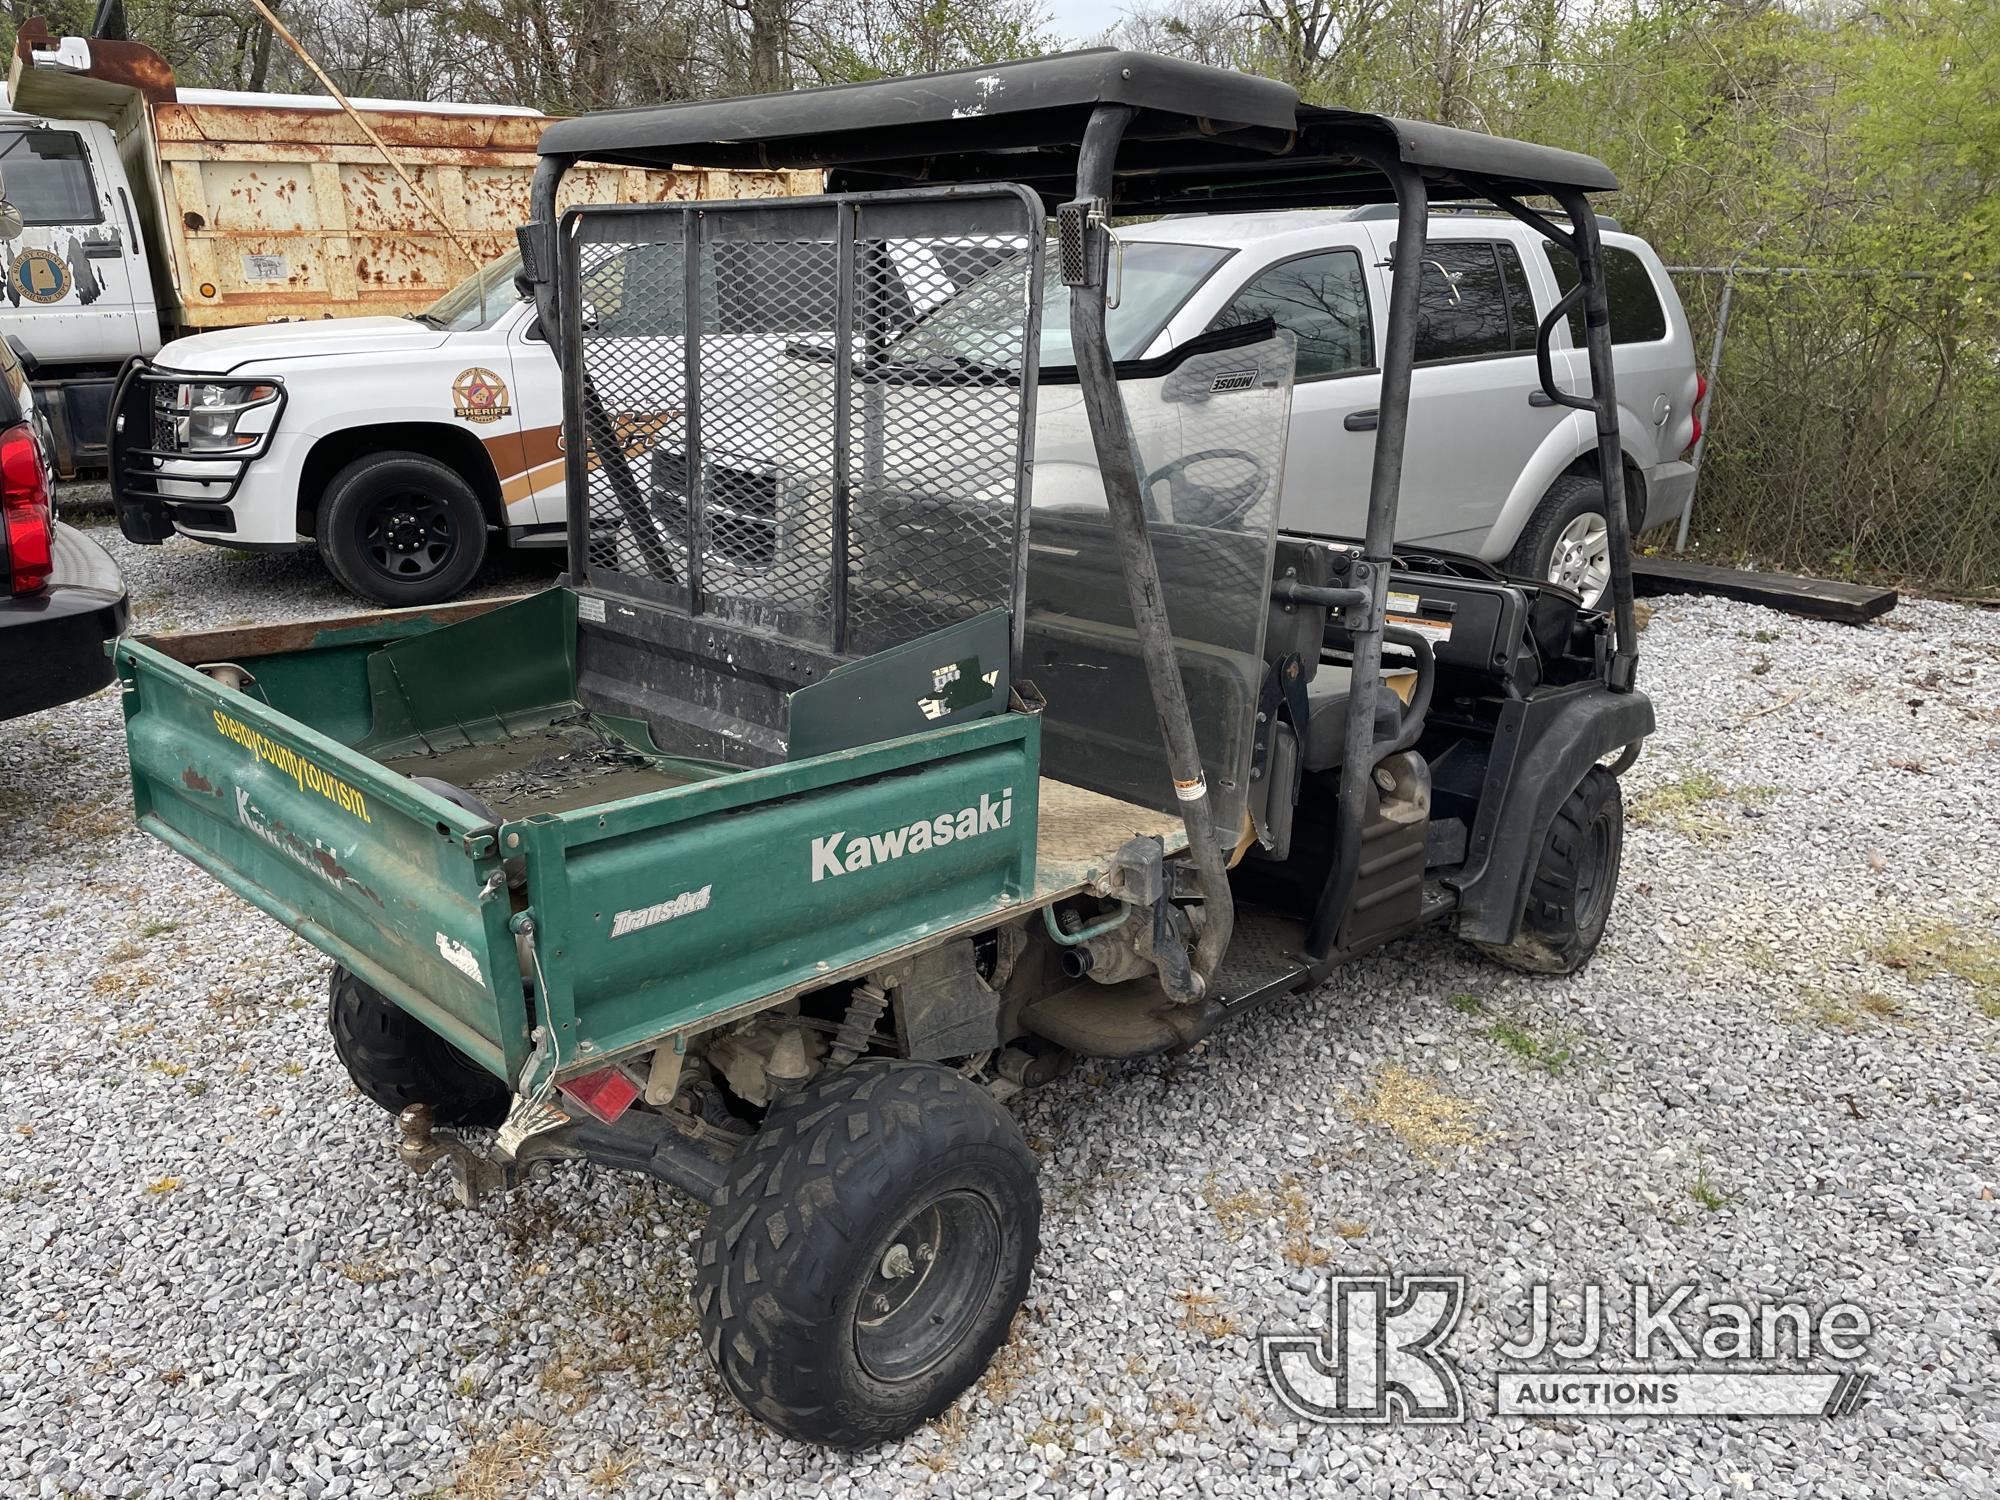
x=26, y=511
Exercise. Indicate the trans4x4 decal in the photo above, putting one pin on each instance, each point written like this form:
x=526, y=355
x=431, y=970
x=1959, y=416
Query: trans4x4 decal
x=838, y=853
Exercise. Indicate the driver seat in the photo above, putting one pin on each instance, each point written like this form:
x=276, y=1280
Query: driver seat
x=1300, y=630
x=1323, y=738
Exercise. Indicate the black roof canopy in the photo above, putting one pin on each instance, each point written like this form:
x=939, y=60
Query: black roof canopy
x=1200, y=137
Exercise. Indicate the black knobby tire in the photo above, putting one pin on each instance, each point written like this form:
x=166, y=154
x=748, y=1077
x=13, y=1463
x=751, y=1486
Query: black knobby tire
x=886, y=1180
x=397, y=1061
x=1570, y=894
x=1572, y=496
x=401, y=529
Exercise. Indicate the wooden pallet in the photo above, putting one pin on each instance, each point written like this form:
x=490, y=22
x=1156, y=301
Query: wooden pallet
x=1811, y=598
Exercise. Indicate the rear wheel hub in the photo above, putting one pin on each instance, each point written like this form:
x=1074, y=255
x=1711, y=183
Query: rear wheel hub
x=929, y=1286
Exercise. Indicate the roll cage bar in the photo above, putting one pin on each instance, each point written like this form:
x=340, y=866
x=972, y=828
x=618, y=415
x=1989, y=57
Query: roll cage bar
x=1105, y=133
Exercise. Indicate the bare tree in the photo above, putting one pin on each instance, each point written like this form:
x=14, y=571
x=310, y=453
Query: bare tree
x=1216, y=32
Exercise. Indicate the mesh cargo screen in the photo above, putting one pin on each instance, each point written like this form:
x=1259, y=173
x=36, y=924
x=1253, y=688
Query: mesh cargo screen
x=805, y=417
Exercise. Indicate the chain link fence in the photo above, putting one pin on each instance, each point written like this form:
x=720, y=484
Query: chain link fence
x=1853, y=424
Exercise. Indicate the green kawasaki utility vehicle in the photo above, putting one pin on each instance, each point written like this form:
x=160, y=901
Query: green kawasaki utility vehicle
x=931, y=699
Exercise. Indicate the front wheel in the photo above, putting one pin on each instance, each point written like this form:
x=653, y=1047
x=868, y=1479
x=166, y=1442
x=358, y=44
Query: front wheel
x=868, y=1253
x=1569, y=898
x=401, y=529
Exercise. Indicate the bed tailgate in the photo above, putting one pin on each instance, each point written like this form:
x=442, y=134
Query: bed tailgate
x=402, y=887
x=660, y=913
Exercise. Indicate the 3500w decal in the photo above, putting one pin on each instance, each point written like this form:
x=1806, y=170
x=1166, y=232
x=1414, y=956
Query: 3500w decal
x=311, y=778
x=838, y=854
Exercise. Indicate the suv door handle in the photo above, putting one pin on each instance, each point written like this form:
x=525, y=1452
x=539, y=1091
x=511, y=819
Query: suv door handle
x=1540, y=398
x=1360, y=421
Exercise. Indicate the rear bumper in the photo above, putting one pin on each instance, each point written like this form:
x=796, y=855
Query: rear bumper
x=78, y=408
x=52, y=645
x=1668, y=487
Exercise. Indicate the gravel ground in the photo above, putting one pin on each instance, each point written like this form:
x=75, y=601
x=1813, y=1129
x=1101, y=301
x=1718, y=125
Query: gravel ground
x=1778, y=1078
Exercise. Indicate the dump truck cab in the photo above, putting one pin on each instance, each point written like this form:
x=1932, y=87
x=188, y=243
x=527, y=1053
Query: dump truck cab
x=889, y=744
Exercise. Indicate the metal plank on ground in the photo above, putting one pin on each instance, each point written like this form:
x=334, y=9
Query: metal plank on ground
x=1811, y=598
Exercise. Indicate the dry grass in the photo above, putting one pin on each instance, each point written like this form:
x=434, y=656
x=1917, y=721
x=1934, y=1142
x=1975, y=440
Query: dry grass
x=503, y=1466
x=1286, y=1205
x=1426, y=1119
x=124, y=983
x=1295, y=1216
x=1300, y=1250
x=608, y=1473
x=1198, y=1311
x=371, y=1270
x=1234, y=1211
x=90, y=822
x=1948, y=949
x=1700, y=807
x=1841, y=1009
x=633, y=1336
x=1010, y=1368
x=160, y=1185
x=1004, y=1377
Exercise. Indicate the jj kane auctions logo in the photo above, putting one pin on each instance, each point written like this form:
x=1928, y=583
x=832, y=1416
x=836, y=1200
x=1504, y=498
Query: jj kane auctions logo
x=1384, y=1356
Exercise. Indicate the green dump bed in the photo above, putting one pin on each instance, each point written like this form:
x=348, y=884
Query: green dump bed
x=604, y=889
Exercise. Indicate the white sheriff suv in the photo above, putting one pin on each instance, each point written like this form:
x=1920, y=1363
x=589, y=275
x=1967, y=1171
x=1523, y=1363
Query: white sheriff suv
x=399, y=446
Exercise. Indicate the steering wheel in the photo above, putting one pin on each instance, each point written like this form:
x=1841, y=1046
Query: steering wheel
x=1213, y=487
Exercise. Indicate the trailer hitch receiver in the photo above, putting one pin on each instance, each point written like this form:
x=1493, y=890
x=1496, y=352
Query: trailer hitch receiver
x=474, y=1177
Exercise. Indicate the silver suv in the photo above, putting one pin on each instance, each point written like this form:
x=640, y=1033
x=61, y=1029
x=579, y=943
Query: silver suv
x=1492, y=468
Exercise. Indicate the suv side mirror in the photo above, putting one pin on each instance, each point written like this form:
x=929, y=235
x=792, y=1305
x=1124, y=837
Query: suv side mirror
x=29, y=364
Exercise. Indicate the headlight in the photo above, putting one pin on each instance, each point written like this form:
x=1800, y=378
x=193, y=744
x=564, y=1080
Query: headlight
x=210, y=412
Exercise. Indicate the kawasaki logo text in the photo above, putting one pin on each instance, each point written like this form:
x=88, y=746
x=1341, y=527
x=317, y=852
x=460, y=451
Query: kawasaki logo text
x=841, y=854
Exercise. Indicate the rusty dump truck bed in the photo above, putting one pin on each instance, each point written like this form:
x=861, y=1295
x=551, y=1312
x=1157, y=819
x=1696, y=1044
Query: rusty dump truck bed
x=265, y=206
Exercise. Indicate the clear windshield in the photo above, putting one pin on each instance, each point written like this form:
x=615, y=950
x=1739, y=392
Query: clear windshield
x=1157, y=278
x=479, y=300
x=1210, y=436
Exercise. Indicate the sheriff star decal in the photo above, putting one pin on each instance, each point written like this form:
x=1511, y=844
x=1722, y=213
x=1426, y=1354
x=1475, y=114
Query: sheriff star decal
x=478, y=395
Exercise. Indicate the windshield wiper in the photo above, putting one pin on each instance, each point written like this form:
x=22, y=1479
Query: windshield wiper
x=428, y=319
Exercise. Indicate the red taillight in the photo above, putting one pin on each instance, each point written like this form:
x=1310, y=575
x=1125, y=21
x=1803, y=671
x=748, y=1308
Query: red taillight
x=26, y=512
x=607, y=1093
x=1700, y=394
